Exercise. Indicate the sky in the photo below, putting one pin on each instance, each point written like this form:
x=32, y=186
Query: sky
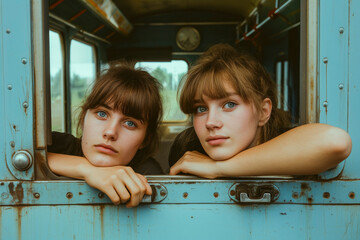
x=82, y=57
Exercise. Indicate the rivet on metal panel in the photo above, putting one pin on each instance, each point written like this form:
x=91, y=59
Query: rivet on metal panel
x=352, y=195
x=326, y=195
x=36, y=195
x=69, y=195
x=341, y=30
x=101, y=195
x=25, y=105
x=325, y=104
x=4, y=195
x=341, y=86
x=185, y=194
x=12, y=144
x=325, y=60
x=232, y=192
x=8, y=31
x=10, y=87
x=216, y=194
x=162, y=193
x=24, y=61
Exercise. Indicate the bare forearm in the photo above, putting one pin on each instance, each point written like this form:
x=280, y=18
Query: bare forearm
x=308, y=149
x=67, y=165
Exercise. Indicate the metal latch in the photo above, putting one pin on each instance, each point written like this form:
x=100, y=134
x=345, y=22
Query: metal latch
x=159, y=193
x=254, y=193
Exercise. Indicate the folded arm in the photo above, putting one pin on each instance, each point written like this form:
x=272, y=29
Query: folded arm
x=120, y=183
x=308, y=149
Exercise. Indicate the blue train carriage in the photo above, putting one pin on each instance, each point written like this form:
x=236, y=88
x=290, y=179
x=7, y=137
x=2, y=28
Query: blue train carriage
x=319, y=39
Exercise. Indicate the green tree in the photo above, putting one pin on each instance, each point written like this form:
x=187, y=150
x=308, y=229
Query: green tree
x=162, y=76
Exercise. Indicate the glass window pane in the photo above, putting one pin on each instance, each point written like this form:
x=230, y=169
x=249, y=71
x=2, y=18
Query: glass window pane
x=82, y=74
x=57, y=82
x=169, y=74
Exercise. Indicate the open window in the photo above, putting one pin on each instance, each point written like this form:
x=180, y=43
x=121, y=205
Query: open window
x=82, y=74
x=57, y=82
x=169, y=74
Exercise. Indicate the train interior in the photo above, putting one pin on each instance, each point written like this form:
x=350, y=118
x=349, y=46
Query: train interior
x=166, y=37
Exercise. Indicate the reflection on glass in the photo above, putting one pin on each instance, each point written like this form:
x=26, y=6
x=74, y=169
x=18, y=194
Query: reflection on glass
x=57, y=83
x=82, y=74
x=169, y=74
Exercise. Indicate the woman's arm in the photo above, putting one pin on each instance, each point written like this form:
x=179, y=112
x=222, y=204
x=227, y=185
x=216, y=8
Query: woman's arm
x=120, y=183
x=308, y=149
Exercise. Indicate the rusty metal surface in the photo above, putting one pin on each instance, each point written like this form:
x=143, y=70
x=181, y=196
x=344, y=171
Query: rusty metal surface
x=41, y=68
x=17, y=75
x=188, y=221
x=181, y=192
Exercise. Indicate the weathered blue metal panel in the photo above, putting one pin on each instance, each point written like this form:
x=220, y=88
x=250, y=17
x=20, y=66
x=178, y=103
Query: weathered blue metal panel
x=333, y=61
x=352, y=168
x=181, y=191
x=17, y=74
x=4, y=173
x=333, y=67
x=192, y=209
x=185, y=221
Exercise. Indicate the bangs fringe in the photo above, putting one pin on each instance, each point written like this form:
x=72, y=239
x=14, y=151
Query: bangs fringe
x=210, y=83
x=133, y=100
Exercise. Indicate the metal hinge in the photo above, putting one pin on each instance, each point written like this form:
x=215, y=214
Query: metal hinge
x=159, y=193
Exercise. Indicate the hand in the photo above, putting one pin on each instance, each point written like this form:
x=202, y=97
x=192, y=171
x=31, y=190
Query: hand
x=120, y=183
x=196, y=163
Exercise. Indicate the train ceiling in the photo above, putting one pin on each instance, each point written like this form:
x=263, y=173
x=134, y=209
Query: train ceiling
x=98, y=18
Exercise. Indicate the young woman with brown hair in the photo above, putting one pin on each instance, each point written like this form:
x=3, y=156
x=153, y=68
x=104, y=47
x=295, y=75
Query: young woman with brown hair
x=119, y=122
x=237, y=129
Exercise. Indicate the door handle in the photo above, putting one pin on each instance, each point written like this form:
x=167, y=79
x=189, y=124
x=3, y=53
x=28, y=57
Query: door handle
x=254, y=193
x=266, y=198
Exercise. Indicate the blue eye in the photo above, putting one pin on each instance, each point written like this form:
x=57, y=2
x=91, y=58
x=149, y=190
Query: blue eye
x=130, y=124
x=229, y=105
x=200, y=109
x=101, y=114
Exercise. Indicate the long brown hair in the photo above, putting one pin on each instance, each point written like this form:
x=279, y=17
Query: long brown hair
x=133, y=92
x=223, y=63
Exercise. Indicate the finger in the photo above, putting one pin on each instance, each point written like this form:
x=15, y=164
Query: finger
x=148, y=189
x=120, y=188
x=176, y=169
x=111, y=193
x=140, y=182
x=136, y=193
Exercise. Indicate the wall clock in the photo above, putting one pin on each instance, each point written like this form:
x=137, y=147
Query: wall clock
x=188, y=38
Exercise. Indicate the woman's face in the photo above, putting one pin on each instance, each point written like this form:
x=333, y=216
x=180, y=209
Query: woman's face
x=225, y=126
x=111, y=138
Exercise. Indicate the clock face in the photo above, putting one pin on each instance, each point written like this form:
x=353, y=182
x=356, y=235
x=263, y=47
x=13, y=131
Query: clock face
x=188, y=38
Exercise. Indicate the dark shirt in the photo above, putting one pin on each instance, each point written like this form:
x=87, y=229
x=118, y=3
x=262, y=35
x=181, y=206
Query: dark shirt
x=65, y=143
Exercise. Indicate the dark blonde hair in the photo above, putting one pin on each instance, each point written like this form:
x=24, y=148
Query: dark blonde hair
x=133, y=92
x=222, y=64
